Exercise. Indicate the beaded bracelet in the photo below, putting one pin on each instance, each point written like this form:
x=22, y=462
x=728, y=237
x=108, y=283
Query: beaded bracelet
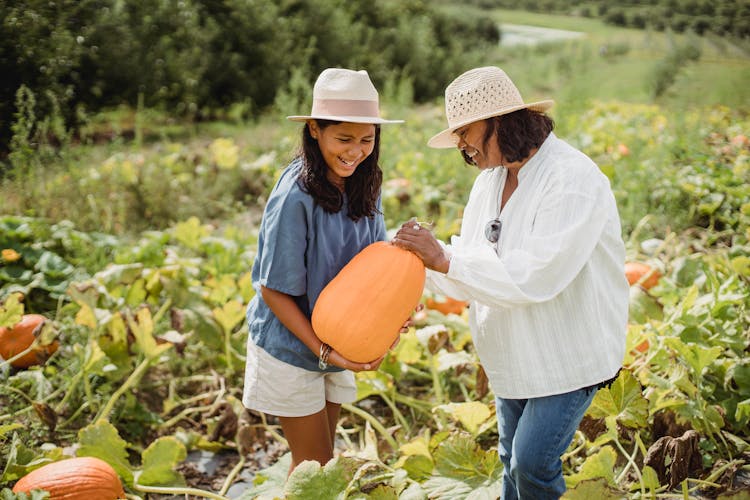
x=325, y=352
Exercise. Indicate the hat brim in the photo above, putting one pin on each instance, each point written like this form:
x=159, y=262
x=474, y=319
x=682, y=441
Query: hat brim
x=350, y=119
x=446, y=138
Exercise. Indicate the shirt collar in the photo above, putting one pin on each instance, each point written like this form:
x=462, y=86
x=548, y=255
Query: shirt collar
x=538, y=157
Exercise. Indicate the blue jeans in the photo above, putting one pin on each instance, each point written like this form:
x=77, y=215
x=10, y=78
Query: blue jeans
x=534, y=433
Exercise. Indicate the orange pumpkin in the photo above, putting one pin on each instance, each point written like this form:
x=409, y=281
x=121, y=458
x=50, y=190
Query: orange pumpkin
x=82, y=478
x=634, y=271
x=642, y=346
x=19, y=337
x=448, y=306
x=361, y=311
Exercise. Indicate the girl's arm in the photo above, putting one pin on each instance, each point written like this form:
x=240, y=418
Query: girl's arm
x=290, y=315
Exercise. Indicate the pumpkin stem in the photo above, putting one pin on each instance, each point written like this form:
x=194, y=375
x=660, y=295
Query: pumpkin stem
x=178, y=491
x=19, y=392
x=129, y=383
x=230, y=478
x=21, y=354
x=374, y=422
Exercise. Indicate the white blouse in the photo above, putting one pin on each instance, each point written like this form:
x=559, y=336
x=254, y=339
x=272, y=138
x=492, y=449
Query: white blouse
x=549, y=300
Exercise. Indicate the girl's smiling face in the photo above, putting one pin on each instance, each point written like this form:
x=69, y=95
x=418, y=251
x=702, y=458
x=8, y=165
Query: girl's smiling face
x=343, y=146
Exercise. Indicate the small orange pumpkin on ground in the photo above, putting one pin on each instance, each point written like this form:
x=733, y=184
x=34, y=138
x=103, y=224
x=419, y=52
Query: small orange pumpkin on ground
x=361, y=311
x=635, y=271
x=642, y=346
x=20, y=336
x=448, y=306
x=81, y=478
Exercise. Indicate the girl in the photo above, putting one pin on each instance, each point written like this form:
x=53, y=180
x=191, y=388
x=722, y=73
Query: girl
x=324, y=209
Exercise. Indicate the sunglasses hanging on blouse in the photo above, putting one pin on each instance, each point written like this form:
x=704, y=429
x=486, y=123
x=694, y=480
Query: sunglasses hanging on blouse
x=492, y=230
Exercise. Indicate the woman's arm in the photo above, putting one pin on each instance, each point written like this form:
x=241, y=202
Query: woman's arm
x=567, y=231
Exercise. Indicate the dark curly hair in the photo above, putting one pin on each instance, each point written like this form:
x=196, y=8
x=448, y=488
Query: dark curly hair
x=362, y=187
x=517, y=133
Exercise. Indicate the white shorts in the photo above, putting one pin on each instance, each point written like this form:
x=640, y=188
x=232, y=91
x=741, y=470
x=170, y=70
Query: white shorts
x=278, y=388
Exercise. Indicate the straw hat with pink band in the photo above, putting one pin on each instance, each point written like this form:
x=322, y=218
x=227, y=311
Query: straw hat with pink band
x=344, y=95
x=479, y=94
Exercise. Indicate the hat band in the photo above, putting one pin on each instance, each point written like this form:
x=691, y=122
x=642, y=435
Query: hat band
x=345, y=107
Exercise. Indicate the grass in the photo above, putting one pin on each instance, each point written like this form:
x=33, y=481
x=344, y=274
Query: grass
x=576, y=72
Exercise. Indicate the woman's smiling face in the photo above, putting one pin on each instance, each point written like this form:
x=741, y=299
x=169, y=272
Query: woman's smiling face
x=477, y=151
x=343, y=146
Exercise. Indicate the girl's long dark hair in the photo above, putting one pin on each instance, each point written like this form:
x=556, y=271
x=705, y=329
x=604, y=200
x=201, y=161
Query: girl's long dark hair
x=362, y=187
x=517, y=133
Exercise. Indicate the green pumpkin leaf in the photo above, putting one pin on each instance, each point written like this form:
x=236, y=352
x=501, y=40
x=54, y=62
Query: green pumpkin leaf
x=143, y=331
x=17, y=460
x=462, y=467
x=409, y=350
x=159, y=461
x=471, y=415
x=7, y=428
x=101, y=440
x=245, y=286
x=120, y=274
x=229, y=315
x=593, y=488
x=136, y=293
x=373, y=382
x=53, y=265
x=418, y=467
x=11, y=311
x=698, y=357
x=742, y=413
x=643, y=307
x=222, y=289
x=310, y=480
x=268, y=483
x=598, y=465
x=650, y=478
x=623, y=400
x=383, y=492
x=190, y=232
x=7, y=494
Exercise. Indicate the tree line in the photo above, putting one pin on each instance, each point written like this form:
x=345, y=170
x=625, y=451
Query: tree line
x=720, y=17
x=63, y=60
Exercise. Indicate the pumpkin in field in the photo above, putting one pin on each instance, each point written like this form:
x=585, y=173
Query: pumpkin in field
x=82, y=478
x=447, y=306
x=634, y=271
x=361, y=311
x=20, y=336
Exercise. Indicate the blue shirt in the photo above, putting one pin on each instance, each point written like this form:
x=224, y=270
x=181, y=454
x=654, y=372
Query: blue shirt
x=301, y=247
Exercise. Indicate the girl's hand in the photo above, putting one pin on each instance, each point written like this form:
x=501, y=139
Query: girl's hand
x=420, y=240
x=337, y=359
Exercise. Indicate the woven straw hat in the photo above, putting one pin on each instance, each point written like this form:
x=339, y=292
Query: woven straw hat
x=344, y=95
x=478, y=94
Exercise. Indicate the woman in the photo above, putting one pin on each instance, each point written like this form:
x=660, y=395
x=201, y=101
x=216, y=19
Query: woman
x=540, y=257
x=324, y=209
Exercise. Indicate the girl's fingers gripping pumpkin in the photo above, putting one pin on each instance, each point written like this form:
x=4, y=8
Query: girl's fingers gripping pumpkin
x=337, y=359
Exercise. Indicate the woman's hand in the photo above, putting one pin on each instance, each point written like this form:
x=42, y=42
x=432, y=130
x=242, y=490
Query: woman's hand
x=412, y=236
x=409, y=323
